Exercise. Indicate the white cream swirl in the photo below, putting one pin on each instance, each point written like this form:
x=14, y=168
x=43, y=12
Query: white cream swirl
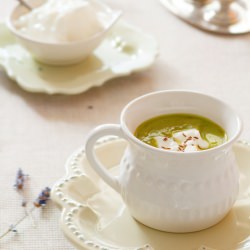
x=185, y=141
x=62, y=21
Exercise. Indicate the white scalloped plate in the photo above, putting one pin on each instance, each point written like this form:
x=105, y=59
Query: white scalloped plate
x=126, y=49
x=95, y=217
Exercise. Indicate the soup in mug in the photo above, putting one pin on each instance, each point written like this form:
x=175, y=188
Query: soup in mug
x=181, y=133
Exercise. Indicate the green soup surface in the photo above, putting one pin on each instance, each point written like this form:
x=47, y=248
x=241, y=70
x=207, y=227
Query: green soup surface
x=169, y=125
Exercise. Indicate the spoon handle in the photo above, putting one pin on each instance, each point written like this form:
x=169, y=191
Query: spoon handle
x=26, y=5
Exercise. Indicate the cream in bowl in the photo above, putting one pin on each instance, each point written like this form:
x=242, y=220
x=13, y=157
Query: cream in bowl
x=62, y=31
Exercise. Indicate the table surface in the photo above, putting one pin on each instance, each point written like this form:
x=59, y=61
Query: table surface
x=39, y=131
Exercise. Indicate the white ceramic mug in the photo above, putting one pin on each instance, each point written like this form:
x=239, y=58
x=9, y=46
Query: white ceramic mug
x=166, y=190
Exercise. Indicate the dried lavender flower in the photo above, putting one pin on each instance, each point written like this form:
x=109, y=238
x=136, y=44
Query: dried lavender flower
x=20, y=179
x=43, y=198
x=13, y=228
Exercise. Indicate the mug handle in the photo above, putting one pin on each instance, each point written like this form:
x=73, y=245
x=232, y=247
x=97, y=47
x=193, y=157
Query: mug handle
x=103, y=130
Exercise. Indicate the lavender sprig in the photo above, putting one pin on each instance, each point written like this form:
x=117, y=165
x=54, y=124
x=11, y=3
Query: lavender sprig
x=41, y=201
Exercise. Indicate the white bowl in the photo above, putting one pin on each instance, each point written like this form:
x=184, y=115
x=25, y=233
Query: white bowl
x=61, y=53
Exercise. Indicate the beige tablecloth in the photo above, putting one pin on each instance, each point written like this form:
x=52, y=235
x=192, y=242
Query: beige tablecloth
x=38, y=132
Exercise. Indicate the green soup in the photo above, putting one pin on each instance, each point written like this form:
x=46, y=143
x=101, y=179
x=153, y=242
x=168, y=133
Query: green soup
x=167, y=126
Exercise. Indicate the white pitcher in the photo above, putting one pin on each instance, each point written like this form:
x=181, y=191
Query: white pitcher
x=166, y=190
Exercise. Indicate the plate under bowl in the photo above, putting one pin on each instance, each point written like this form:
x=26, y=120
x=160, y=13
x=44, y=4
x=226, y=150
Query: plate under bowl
x=95, y=217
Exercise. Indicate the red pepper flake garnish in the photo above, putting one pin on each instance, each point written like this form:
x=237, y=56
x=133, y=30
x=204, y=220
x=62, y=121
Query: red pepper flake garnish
x=195, y=137
x=184, y=135
x=166, y=148
x=165, y=139
x=182, y=147
x=188, y=139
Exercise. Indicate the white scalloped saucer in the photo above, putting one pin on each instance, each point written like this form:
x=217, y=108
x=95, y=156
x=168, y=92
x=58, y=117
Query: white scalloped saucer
x=95, y=217
x=126, y=49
